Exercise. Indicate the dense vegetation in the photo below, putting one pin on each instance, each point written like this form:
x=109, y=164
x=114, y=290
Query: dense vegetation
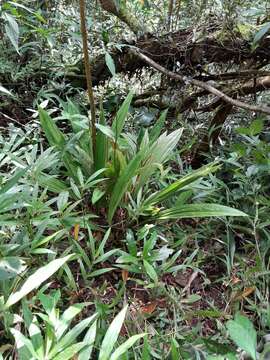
x=134, y=179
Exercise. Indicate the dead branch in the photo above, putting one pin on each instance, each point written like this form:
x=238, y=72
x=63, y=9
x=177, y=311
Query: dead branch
x=211, y=89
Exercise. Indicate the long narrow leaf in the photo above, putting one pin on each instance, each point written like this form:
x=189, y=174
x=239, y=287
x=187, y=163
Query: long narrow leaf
x=52, y=132
x=23, y=345
x=121, y=115
x=123, y=183
x=69, y=352
x=157, y=128
x=12, y=181
x=111, y=335
x=72, y=335
x=179, y=184
x=122, y=349
x=101, y=143
x=88, y=340
x=35, y=280
x=198, y=211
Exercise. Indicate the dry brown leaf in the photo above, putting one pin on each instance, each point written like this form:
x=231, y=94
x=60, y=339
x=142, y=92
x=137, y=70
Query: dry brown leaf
x=148, y=308
x=245, y=293
x=76, y=231
x=124, y=275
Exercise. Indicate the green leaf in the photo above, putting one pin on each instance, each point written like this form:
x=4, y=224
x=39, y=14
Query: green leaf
x=66, y=319
x=52, y=132
x=97, y=195
x=12, y=181
x=157, y=128
x=12, y=30
x=256, y=127
x=150, y=271
x=111, y=335
x=121, y=115
x=110, y=63
x=123, y=183
x=22, y=342
x=51, y=183
x=36, y=338
x=101, y=143
x=179, y=184
x=62, y=200
x=198, y=211
x=69, y=352
x=155, y=155
x=100, y=272
x=244, y=335
x=88, y=340
x=122, y=349
x=260, y=34
x=35, y=280
x=5, y=91
x=10, y=267
x=71, y=336
x=106, y=130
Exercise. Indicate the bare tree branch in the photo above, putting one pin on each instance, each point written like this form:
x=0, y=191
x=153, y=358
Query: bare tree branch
x=211, y=89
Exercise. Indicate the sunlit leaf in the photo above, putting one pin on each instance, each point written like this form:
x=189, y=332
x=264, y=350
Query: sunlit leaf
x=35, y=280
x=111, y=335
x=110, y=63
x=242, y=332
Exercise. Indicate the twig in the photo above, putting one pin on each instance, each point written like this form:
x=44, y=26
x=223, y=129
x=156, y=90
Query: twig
x=211, y=89
x=246, y=74
x=190, y=281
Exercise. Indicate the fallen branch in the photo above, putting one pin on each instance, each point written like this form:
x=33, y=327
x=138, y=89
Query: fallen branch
x=189, y=80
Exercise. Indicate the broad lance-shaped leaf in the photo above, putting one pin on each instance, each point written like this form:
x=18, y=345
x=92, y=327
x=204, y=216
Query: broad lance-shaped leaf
x=70, y=351
x=242, y=332
x=101, y=143
x=197, y=211
x=123, y=348
x=35, y=280
x=10, y=267
x=157, y=128
x=12, y=30
x=155, y=155
x=121, y=115
x=12, y=181
x=69, y=338
x=110, y=63
x=5, y=91
x=261, y=34
x=123, y=182
x=89, y=340
x=111, y=335
x=179, y=184
x=52, y=132
x=56, y=138
x=24, y=346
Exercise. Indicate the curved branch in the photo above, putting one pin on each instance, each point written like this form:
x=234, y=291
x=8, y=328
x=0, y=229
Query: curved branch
x=124, y=15
x=211, y=89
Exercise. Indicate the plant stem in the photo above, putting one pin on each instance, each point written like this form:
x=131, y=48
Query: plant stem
x=88, y=75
